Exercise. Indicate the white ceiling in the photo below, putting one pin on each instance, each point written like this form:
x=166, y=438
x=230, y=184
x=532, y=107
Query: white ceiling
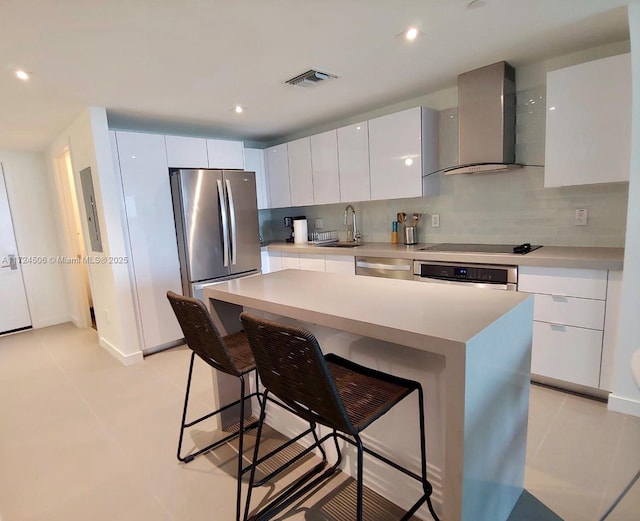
x=187, y=63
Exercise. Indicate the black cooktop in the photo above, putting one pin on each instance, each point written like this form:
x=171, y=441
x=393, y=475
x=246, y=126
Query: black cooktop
x=484, y=248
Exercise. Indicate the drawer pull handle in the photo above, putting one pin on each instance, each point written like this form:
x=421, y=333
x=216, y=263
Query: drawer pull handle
x=557, y=327
x=559, y=298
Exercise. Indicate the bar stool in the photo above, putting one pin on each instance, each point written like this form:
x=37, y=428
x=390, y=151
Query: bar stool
x=231, y=355
x=331, y=391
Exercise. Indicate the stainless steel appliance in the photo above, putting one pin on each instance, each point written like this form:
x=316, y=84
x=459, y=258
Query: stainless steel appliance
x=383, y=267
x=477, y=275
x=520, y=249
x=217, y=230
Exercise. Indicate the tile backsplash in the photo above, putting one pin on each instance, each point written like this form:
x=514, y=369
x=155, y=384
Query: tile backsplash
x=502, y=207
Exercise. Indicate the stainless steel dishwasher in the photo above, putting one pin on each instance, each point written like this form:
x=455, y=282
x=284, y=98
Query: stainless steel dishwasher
x=383, y=267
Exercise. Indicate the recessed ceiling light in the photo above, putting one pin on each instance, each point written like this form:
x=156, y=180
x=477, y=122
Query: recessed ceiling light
x=411, y=34
x=475, y=4
x=238, y=109
x=552, y=108
x=408, y=161
x=24, y=76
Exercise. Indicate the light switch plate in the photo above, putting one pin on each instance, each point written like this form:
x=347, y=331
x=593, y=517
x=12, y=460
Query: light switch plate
x=435, y=220
x=319, y=224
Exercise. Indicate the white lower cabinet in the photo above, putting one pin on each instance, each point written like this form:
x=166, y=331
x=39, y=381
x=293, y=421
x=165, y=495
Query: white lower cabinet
x=567, y=353
x=569, y=321
x=340, y=264
x=276, y=260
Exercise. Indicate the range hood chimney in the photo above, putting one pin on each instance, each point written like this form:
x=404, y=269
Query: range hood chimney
x=486, y=120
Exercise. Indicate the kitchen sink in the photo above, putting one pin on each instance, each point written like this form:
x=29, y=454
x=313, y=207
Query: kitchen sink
x=343, y=245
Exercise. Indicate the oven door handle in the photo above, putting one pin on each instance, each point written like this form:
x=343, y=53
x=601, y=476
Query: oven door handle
x=511, y=287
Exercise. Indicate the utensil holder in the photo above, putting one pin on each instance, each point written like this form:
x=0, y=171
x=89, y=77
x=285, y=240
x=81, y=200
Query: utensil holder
x=410, y=235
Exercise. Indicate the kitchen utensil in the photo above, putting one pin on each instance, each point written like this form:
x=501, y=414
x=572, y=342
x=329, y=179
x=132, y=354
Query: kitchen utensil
x=416, y=218
x=402, y=218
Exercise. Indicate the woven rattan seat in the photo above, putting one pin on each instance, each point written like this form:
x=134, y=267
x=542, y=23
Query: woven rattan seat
x=331, y=391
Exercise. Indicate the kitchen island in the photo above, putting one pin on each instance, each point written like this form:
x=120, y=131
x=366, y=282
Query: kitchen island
x=470, y=349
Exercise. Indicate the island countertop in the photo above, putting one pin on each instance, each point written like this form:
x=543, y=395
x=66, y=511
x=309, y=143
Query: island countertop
x=469, y=348
x=368, y=305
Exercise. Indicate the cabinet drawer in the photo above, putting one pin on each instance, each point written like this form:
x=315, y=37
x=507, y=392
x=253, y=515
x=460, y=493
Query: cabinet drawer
x=569, y=311
x=563, y=281
x=567, y=353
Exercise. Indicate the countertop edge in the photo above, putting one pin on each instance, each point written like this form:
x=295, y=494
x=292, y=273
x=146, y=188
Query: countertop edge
x=547, y=256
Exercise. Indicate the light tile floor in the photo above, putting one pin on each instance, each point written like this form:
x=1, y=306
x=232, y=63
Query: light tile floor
x=83, y=437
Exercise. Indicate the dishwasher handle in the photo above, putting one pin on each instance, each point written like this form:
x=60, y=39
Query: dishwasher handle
x=386, y=267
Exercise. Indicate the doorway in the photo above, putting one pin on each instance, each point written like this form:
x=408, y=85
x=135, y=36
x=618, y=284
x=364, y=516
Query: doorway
x=14, y=309
x=76, y=272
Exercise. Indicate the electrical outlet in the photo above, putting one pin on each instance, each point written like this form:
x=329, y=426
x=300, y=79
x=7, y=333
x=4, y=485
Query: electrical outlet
x=581, y=217
x=319, y=224
x=435, y=220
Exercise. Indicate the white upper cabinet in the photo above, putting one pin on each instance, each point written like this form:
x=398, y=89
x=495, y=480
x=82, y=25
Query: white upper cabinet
x=300, y=173
x=186, y=152
x=152, y=236
x=223, y=153
x=324, y=161
x=277, y=166
x=353, y=162
x=254, y=162
x=395, y=155
x=588, y=124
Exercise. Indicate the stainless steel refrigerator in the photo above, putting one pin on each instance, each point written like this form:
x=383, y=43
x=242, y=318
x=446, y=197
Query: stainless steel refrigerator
x=216, y=217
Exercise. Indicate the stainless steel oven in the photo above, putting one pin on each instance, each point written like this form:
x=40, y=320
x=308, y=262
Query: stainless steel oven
x=489, y=276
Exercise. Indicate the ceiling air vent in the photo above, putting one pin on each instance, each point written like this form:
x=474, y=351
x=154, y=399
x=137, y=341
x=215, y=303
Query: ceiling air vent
x=310, y=78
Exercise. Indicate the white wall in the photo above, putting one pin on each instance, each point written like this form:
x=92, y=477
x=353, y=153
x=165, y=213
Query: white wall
x=626, y=394
x=31, y=209
x=89, y=145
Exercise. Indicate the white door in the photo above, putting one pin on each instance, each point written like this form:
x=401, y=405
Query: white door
x=14, y=311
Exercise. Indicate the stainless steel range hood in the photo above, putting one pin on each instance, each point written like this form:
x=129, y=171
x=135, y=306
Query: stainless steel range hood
x=486, y=120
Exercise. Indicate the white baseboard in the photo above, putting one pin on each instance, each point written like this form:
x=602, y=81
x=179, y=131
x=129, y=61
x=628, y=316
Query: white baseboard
x=624, y=405
x=131, y=359
x=52, y=321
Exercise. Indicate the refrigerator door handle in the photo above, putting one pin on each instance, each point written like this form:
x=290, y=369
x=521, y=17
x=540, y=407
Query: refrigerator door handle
x=225, y=222
x=234, y=228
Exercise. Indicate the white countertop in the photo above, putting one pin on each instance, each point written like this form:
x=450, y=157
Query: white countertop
x=549, y=256
x=395, y=310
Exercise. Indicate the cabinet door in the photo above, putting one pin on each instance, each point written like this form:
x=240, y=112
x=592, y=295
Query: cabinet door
x=223, y=153
x=300, y=174
x=588, y=125
x=567, y=353
x=152, y=235
x=353, y=162
x=395, y=155
x=340, y=264
x=186, y=152
x=290, y=261
x=311, y=262
x=324, y=162
x=254, y=162
x=277, y=164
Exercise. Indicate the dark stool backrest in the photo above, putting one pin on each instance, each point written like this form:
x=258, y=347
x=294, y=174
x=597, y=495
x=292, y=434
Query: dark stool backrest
x=200, y=332
x=291, y=366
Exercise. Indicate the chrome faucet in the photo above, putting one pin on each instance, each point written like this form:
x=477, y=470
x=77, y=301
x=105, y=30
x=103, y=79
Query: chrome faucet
x=353, y=235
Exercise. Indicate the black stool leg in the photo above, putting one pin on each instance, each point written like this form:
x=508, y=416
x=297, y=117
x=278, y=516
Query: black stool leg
x=184, y=412
x=359, y=483
x=256, y=449
x=240, y=448
x=426, y=486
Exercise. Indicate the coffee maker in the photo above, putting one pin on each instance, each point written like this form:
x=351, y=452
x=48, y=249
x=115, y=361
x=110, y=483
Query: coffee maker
x=288, y=222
